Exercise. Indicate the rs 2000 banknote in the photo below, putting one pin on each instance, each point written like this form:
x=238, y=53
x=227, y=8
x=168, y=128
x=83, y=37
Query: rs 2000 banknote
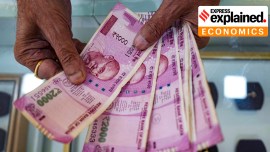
x=208, y=131
x=124, y=125
x=186, y=77
x=168, y=129
x=60, y=109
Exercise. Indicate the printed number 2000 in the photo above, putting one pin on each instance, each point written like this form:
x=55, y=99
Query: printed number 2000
x=47, y=97
x=104, y=129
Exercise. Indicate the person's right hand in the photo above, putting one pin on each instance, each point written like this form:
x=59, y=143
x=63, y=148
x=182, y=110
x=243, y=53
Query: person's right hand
x=168, y=12
x=44, y=34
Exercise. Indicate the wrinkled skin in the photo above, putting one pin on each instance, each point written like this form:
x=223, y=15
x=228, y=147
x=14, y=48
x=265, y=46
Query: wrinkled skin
x=44, y=33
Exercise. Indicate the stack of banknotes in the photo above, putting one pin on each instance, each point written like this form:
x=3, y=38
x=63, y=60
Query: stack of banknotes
x=132, y=100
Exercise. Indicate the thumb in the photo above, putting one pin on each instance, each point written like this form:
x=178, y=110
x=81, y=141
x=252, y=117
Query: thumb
x=150, y=32
x=156, y=26
x=67, y=53
x=57, y=31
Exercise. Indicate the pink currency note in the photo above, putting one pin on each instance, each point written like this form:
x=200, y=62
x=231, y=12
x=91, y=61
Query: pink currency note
x=60, y=109
x=124, y=125
x=186, y=77
x=208, y=131
x=168, y=129
x=145, y=16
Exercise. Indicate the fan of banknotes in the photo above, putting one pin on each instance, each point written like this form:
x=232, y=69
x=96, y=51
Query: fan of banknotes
x=132, y=100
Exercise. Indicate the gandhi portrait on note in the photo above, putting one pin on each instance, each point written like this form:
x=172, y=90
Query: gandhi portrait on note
x=103, y=67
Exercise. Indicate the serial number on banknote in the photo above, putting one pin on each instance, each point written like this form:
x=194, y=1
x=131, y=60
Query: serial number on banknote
x=40, y=93
x=103, y=130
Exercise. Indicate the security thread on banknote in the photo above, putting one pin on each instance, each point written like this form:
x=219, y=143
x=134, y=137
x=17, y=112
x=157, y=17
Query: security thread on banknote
x=208, y=131
x=124, y=126
x=60, y=109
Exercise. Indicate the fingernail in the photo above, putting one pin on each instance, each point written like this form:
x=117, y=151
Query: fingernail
x=76, y=77
x=140, y=42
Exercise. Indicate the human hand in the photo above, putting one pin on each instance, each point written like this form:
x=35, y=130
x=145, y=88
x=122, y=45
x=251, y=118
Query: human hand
x=44, y=34
x=168, y=12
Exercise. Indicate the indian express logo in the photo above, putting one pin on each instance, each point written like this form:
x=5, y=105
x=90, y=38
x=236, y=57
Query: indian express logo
x=243, y=21
x=204, y=15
